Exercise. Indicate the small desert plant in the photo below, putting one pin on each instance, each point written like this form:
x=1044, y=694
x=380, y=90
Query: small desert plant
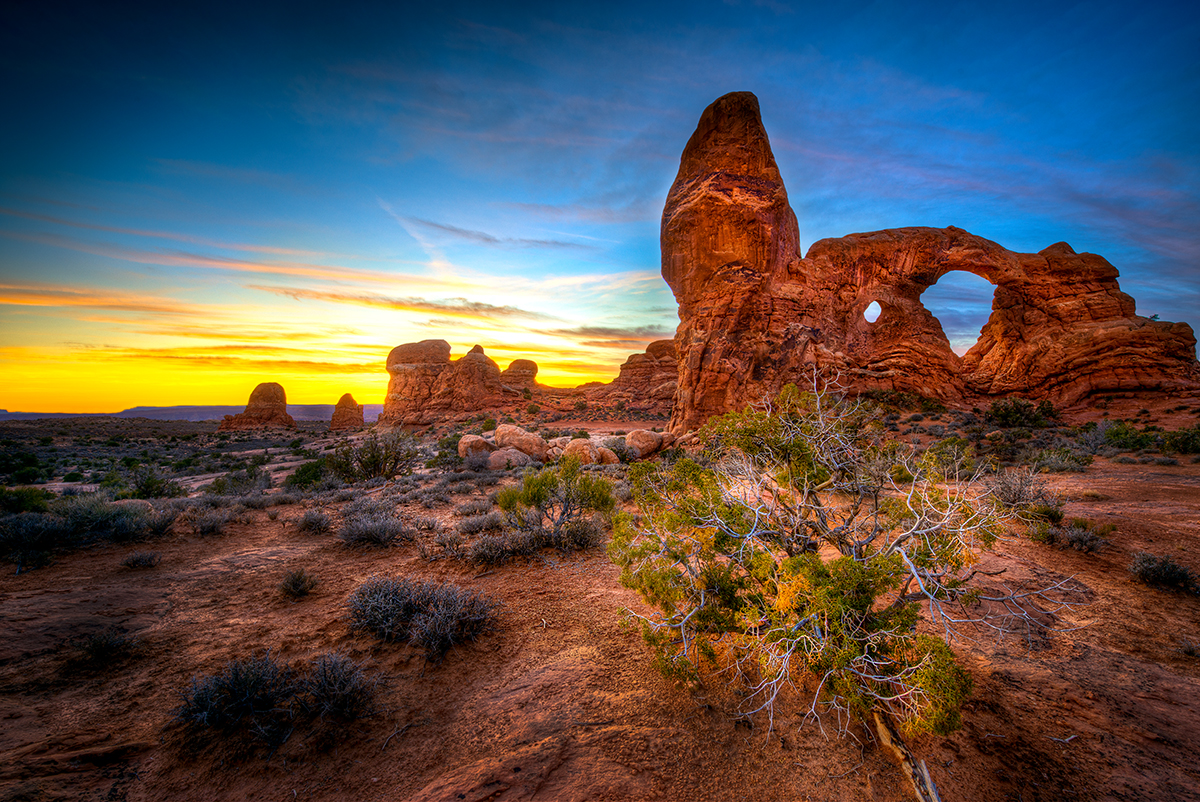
x=239, y=483
x=450, y=542
x=1057, y=460
x=254, y=694
x=336, y=686
x=308, y=475
x=315, y=522
x=431, y=615
x=477, y=506
x=552, y=498
x=1183, y=441
x=213, y=522
x=142, y=559
x=1011, y=413
x=375, y=456
x=368, y=522
x=480, y=523
x=1078, y=535
x=297, y=584
x=23, y=499
x=1126, y=437
x=1162, y=572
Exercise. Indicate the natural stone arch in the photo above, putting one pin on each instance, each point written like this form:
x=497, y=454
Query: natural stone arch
x=755, y=315
x=946, y=300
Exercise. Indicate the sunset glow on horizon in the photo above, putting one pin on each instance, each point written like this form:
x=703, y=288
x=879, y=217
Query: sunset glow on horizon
x=194, y=201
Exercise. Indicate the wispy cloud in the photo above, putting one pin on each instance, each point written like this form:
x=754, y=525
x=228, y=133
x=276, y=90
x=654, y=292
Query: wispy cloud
x=492, y=241
x=27, y=295
x=178, y=258
x=454, y=307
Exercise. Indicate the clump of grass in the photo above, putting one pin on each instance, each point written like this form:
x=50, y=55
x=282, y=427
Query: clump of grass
x=430, y=615
x=315, y=522
x=1082, y=538
x=1162, y=572
x=142, y=559
x=477, y=506
x=298, y=583
x=480, y=523
x=213, y=522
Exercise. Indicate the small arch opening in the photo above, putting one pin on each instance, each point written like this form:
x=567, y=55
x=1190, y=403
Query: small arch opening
x=872, y=312
x=962, y=303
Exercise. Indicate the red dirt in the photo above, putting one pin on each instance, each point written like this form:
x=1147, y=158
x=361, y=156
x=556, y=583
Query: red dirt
x=561, y=703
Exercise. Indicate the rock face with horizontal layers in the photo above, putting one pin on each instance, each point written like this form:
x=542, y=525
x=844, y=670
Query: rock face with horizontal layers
x=646, y=383
x=521, y=374
x=754, y=315
x=267, y=408
x=426, y=386
x=347, y=415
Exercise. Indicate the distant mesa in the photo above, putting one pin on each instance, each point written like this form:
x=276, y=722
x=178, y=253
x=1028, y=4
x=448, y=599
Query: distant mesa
x=347, y=415
x=426, y=386
x=267, y=408
x=646, y=383
x=755, y=315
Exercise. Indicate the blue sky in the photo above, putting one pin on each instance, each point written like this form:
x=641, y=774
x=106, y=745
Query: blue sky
x=194, y=201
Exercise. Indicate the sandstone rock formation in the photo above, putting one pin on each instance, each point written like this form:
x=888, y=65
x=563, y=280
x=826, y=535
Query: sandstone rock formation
x=754, y=315
x=472, y=444
x=646, y=382
x=426, y=386
x=503, y=458
x=583, y=450
x=643, y=442
x=347, y=415
x=267, y=408
x=509, y=436
x=521, y=374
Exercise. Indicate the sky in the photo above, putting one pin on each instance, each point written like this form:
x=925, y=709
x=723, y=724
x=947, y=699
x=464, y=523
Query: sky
x=197, y=199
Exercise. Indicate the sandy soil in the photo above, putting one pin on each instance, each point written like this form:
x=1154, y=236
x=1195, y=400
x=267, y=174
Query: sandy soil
x=561, y=703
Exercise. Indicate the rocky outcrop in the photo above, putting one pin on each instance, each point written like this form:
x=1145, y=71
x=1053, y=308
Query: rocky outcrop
x=426, y=386
x=521, y=374
x=347, y=415
x=267, y=408
x=754, y=315
x=646, y=382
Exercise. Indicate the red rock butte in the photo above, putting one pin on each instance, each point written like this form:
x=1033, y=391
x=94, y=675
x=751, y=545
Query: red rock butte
x=755, y=315
x=267, y=408
x=426, y=386
x=347, y=415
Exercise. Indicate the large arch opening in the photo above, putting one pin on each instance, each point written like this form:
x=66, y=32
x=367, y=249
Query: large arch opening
x=962, y=303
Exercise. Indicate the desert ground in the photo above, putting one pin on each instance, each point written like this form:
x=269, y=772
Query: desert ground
x=558, y=700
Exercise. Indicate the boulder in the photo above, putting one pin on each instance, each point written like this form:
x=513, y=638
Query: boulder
x=508, y=458
x=347, y=415
x=267, y=408
x=582, y=450
x=509, y=436
x=643, y=442
x=471, y=444
x=607, y=456
x=755, y=314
